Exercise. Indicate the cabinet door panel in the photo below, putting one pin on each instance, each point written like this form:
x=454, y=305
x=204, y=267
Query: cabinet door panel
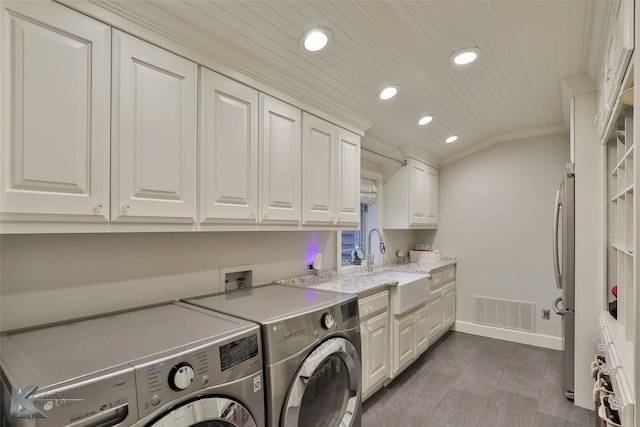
x=405, y=342
x=434, y=315
x=417, y=192
x=154, y=145
x=449, y=304
x=228, y=149
x=432, y=195
x=55, y=121
x=378, y=352
x=348, y=189
x=318, y=165
x=422, y=335
x=280, y=161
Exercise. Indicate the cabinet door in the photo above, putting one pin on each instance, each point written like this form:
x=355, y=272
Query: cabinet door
x=280, y=161
x=318, y=171
x=378, y=349
x=449, y=315
x=348, y=178
x=417, y=192
x=432, y=195
x=434, y=315
x=55, y=113
x=228, y=150
x=154, y=133
x=405, y=342
x=422, y=327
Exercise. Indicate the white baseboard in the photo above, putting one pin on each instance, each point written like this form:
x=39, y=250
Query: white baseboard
x=538, y=340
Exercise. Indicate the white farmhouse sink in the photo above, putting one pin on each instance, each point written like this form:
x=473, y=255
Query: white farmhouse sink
x=412, y=290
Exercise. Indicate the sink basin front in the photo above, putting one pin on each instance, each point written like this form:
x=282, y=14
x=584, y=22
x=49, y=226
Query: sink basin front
x=412, y=290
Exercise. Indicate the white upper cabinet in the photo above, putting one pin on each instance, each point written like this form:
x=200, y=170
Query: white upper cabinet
x=348, y=184
x=432, y=196
x=319, y=170
x=280, y=161
x=228, y=150
x=154, y=133
x=330, y=174
x=619, y=45
x=54, y=114
x=417, y=192
x=411, y=197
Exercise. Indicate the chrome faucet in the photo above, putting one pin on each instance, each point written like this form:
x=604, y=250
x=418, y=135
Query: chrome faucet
x=370, y=255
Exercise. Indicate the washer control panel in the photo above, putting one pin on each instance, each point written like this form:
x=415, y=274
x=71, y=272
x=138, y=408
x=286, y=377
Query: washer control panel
x=160, y=382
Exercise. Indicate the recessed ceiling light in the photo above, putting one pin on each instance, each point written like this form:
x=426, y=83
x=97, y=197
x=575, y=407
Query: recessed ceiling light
x=451, y=139
x=388, y=92
x=425, y=120
x=464, y=56
x=315, y=39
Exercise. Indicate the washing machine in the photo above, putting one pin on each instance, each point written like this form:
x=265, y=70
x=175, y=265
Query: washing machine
x=171, y=364
x=311, y=350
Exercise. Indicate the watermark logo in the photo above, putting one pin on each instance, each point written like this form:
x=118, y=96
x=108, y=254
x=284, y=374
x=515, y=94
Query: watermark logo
x=21, y=407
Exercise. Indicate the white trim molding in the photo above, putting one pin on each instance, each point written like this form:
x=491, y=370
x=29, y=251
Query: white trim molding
x=537, y=340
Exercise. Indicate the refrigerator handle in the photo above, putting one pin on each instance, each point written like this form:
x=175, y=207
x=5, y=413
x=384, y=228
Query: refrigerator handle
x=556, y=309
x=556, y=225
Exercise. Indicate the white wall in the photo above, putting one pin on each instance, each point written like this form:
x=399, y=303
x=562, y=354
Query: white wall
x=45, y=278
x=496, y=214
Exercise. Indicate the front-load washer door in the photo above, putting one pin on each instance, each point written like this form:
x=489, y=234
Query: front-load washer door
x=207, y=412
x=325, y=391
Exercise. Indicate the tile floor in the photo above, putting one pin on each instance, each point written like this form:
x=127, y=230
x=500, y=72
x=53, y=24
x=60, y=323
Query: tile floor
x=471, y=381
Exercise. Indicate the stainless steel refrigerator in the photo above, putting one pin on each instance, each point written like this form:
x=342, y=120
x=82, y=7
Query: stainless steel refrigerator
x=564, y=264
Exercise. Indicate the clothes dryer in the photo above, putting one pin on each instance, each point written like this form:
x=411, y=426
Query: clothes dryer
x=166, y=365
x=311, y=341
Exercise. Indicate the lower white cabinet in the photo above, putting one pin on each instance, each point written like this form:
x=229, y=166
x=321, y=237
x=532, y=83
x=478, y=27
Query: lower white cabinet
x=404, y=342
x=410, y=337
x=374, y=329
x=414, y=331
x=449, y=314
x=435, y=311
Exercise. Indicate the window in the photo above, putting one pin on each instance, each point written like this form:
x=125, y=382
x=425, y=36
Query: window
x=351, y=240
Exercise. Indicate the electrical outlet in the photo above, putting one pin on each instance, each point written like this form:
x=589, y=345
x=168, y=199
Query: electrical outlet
x=546, y=313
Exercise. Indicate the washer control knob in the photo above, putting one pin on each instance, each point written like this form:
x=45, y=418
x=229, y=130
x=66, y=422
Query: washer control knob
x=327, y=321
x=181, y=376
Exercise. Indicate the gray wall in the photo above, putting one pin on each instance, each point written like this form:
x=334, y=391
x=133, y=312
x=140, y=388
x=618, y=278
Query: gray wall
x=496, y=210
x=46, y=278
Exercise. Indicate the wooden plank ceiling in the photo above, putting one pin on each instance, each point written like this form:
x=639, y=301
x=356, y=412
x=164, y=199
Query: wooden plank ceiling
x=528, y=49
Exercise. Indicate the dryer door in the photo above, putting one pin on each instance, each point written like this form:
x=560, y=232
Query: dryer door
x=207, y=412
x=326, y=389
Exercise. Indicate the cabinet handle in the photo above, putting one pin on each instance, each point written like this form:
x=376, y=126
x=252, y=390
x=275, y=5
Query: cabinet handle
x=97, y=208
x=255, y=216
x=125, y=210
x=596, y=119
x=370, y=329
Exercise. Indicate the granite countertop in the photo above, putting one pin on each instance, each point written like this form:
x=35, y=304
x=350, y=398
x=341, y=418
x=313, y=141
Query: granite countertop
x=363, y=283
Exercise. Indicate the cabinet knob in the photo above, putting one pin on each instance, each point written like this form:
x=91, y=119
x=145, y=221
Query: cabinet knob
x=97, y=208
x=125, y=209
